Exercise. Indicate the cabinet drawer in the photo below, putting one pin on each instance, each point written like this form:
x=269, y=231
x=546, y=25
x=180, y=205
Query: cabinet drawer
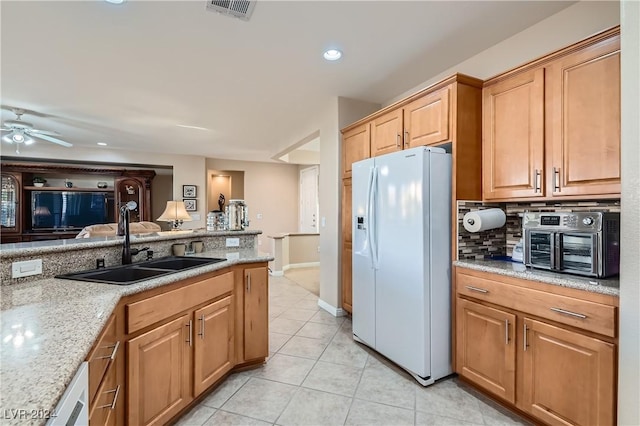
x=103, y=411
x=583, y=314
x=149, y=311
x=102, y=356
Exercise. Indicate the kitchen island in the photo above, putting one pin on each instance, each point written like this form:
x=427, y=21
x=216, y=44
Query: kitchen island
x=50, y=325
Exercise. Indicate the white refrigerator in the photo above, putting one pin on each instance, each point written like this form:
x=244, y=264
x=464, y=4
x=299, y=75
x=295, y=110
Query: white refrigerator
x=402, y=259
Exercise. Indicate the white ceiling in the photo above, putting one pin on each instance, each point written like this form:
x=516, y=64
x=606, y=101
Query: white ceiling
x=127, y=74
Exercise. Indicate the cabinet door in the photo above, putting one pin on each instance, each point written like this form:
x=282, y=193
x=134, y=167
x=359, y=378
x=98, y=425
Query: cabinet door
x=347, y=238
x=214, y=343
x=568, y=377
x=159, y=372
x=356, y=146
x=107, y=401
x=256, y=314
x=426, y=120
x=10, y=212
x=583, y=121
x=347, y=291
x=386, y=133
x=102, y=356
x=513, y=137
x=486, y=347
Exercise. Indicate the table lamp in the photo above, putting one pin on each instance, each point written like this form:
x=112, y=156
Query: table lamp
x=175, y=213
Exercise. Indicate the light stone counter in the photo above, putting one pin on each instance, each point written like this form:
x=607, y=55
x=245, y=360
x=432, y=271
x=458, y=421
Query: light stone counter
x=56, y=246
x=49, y=326
x=608, y=286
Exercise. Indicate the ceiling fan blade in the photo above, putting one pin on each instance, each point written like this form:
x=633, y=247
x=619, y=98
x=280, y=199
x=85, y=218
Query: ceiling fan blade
x=6, y=129
x=50, y=139
x=43, y=132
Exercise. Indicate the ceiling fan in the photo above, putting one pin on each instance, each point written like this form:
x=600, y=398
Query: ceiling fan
x=22, y=132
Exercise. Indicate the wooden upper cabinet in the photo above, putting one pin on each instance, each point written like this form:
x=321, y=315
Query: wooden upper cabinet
x=583, y=121
x=387, y=133
x=569, y=378
x=513, y=137
x=355, y=147
x=427, y=120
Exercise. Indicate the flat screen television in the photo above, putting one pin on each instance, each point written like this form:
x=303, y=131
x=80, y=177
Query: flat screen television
x=62, y=210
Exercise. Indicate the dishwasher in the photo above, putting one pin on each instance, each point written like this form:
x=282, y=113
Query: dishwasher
x=73, y=408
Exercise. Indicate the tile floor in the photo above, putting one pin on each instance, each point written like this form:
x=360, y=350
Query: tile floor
x=317, y=375
x=307, y=278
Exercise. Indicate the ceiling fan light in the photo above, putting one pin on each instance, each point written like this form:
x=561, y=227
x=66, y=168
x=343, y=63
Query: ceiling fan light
x=18, y=137
x=28, y=140
x=7, y=138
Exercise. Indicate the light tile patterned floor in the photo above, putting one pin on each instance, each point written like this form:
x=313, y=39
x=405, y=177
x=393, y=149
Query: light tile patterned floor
x=317, y=375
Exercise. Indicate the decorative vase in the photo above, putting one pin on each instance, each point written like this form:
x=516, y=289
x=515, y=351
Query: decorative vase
x=38, y=184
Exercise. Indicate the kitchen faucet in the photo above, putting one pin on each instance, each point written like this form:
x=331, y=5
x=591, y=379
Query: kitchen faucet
x=123, y=226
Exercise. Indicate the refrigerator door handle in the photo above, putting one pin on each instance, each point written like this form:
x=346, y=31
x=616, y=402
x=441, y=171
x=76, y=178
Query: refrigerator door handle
x=369, y=223
x=373, y=218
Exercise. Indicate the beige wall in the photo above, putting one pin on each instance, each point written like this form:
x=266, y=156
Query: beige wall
x=270, y=189
x=629, y=351
x=303, y=248
x=566, y=27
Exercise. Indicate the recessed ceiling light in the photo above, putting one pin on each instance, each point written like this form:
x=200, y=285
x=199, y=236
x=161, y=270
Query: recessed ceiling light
x=191, y=127
x=115, y=1
x=332, y=55
x=102, y=144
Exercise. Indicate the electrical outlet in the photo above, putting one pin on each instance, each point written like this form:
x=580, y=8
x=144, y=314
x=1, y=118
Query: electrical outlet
x=233, y=242
x=259, y=216
x=259, y=242
x=26, y=268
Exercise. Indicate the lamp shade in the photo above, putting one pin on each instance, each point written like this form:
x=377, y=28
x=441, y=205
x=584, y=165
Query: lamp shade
x=175, y=211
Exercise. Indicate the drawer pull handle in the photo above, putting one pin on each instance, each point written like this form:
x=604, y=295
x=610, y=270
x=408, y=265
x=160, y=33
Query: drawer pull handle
x=248, y=283
x=398, y=141
x=506, y=332
x=113, y=352
x=573, y=314
x=190, y=325
x=479, y=290
x=201, y=334
x=115, y=399
x=406, y=139
x=526, y=345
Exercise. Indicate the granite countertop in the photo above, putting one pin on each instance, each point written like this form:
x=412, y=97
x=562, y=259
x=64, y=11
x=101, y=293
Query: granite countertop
x=608, y=286
x=49, y=326
x=56, y=246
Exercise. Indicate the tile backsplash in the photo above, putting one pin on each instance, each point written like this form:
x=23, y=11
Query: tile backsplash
x=501, y=241
x=483, y=244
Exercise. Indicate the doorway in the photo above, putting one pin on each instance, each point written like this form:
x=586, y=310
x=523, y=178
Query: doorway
x=309, y=206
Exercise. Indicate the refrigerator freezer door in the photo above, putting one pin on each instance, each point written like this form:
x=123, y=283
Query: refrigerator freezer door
x=363, y=273
x=402, y=284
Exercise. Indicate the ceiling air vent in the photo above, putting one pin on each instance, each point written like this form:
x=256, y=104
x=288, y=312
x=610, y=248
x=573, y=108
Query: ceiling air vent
x=237, y=8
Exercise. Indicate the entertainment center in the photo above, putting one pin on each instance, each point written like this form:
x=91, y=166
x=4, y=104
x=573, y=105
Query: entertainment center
x=47, y=202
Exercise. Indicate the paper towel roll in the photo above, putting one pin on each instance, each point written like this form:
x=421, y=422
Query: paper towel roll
x=482, y=220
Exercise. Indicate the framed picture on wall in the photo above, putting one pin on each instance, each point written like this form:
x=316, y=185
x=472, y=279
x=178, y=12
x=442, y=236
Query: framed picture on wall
x=191, y=205
x=189, y=191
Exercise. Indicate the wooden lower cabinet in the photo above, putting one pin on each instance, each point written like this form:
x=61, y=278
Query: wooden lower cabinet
x=569, y=377
x=159, y=372
x=256, y=314
x=347, y=286
x=214, y=343
x=487, y=347
x=557, y=370
x=108, y=400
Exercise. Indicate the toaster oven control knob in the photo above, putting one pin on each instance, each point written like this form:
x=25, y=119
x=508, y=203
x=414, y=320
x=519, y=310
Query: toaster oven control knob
x=588, y=221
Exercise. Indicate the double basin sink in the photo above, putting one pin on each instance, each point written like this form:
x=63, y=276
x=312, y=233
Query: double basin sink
x=136, y=272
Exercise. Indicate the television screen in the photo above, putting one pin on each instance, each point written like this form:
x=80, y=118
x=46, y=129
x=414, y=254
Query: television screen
x=70, y=210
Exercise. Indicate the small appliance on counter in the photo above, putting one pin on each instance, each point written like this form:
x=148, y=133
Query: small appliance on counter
x=583, y=243
x=518, y=252
x=237, y=215
x=216, y=221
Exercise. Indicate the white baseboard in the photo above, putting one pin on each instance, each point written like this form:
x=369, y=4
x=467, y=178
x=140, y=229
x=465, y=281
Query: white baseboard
x=336, y=312
x=300, y=265
x=277, y=273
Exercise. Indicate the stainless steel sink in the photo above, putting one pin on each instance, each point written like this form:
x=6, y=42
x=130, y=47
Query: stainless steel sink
x=137, y=272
